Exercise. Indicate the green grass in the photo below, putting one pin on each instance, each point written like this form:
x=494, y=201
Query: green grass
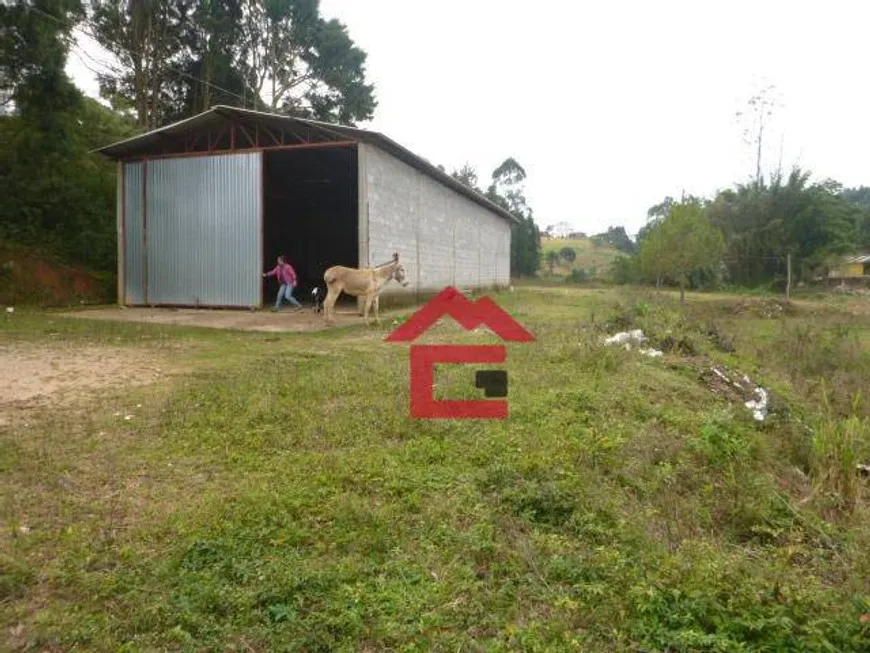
x=278, y=497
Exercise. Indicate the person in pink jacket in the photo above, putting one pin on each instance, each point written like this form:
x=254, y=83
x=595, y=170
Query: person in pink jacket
x=287, y=279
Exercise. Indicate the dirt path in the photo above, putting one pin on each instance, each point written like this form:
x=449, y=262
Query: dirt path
x=282, y=321
x=35, y=376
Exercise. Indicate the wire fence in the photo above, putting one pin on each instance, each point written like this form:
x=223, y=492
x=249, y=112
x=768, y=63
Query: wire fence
x=788, y=273
x=778, y=273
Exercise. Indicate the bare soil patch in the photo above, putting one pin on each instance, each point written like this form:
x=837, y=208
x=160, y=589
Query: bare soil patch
x=29, y=277
x=34, y=376
x=286, y=320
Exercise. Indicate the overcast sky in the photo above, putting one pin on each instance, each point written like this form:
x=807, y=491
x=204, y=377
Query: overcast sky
x=611, y=105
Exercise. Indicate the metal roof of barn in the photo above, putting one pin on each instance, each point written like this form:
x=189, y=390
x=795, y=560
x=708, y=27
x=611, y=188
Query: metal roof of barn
x=863, y=258
x=315, y=131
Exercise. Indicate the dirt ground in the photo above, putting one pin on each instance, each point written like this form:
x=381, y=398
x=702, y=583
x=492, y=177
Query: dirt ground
x=38, y=376
x=265, y=320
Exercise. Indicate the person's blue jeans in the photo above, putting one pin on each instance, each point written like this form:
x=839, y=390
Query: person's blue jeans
x=286, y=290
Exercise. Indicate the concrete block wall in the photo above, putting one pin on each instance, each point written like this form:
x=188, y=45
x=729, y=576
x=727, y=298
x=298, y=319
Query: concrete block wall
x=442, y=237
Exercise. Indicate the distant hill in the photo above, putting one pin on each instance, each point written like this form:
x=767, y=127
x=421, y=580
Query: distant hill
x=594, y=259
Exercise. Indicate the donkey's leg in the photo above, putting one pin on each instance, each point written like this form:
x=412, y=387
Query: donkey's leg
x=336, y=293
x=368, y=306
x=329, y=304
x=325, y=305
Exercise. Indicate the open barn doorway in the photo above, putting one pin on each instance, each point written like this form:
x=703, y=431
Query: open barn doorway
x=310, y=214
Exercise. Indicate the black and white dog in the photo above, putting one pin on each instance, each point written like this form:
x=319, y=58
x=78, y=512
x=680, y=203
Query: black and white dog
x=317, y=300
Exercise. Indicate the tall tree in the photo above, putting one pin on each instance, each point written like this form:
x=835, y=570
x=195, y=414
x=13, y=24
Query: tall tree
x=506, y=190
x=507, y=185
x=652, y=257
x=755, y=119
x=34, y=45
x=467, y=175
x=766, y=221
x=208, y=71
x=860, y=197
x=146, y=37
x=57, y=196
x=305, y=65
x=661, y=209
x=178, y=57
x=525, y=247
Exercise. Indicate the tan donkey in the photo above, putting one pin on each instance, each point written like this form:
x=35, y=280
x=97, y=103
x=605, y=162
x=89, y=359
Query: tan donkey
x=362, y=282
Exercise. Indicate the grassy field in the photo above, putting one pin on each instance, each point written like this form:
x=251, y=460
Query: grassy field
x=592, y=258
x=273, y=494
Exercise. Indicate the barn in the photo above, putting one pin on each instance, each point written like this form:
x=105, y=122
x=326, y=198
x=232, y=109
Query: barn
x=206, y=204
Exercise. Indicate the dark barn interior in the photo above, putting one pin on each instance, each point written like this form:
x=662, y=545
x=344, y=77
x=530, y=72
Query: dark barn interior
x=310, y=215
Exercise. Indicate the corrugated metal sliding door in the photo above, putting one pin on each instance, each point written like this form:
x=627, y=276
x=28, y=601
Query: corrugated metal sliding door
x=203, y=230
x=134, y=234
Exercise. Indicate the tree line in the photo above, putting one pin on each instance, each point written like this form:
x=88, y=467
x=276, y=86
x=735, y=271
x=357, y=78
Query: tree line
x=506, y=190
x=744, y=234
x=175, y=58
x=179, y=57
x=57, y=196
x=172, y=59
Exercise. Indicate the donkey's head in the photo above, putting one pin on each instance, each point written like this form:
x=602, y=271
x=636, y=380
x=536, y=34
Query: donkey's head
x=399, y=271
x=399, y=275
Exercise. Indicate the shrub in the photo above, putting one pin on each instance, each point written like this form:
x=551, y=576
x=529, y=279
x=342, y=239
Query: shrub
x=625, y=270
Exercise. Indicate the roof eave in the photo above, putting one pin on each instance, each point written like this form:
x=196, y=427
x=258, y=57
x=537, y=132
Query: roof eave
x=107, y=150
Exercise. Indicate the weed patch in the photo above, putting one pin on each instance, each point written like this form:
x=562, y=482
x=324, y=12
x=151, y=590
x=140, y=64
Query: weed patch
x=277, y=495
